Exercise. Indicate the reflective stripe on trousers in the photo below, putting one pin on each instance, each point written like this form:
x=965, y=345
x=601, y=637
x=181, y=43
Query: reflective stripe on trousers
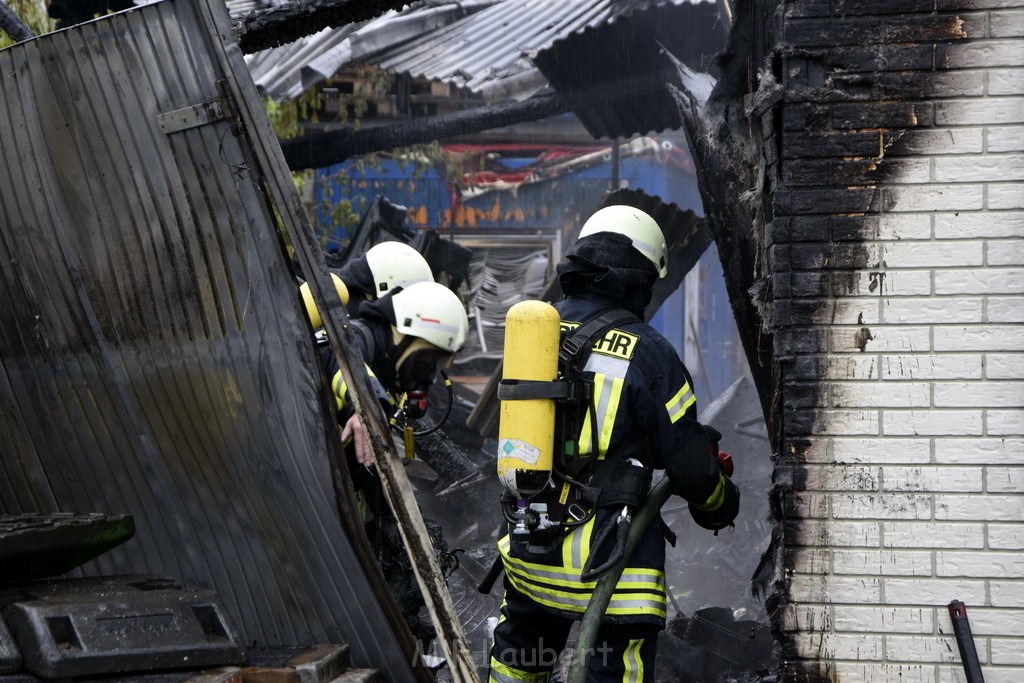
x=501, y=673
x=640, y=590
x=528, y=642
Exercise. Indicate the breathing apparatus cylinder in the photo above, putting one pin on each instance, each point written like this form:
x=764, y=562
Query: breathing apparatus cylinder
x=307, y=300
x=526, y=429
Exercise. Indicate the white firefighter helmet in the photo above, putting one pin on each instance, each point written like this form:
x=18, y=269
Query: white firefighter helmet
x=432, y=312
x=638, y=226
x=395, y=264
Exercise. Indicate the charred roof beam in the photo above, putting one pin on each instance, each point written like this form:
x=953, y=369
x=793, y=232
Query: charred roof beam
x=272, y=27
x=13, y=26
x=331, y=147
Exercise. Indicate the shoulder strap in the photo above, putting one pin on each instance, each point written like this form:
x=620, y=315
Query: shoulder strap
x=369, y=345
x=575, y=349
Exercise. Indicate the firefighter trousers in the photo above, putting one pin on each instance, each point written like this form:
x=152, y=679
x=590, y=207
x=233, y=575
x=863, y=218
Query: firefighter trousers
x=529, y=639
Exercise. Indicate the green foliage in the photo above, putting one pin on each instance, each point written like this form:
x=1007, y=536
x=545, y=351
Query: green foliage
x=341, y=201
x=288, y=116
x=35, y=16
x=374, y=84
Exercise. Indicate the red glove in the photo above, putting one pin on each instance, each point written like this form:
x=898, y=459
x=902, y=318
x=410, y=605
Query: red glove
x=724, y=459
x=725, y=462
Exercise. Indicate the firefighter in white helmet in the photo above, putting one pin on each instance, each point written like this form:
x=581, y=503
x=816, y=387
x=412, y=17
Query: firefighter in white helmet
x=385, y=268
x=404, y=337
x=382, y=269
x=638, y=415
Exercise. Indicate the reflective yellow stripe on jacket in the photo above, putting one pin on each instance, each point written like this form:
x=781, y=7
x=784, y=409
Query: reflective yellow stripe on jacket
x=340, y=387
x=609, y=378
x=640, y=590
x=680, y=403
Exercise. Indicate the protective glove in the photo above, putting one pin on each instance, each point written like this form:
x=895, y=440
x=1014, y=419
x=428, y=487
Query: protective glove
x=724, y=515
x=724, y=459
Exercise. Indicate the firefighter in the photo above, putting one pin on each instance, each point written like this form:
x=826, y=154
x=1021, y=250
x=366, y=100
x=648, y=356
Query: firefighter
x=404, y=336
x=383, y=268
x=641, y=417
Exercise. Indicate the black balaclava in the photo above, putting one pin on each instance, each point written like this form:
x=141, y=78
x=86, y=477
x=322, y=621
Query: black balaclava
x=357, y=277
x=379, y=316
x=607, y=265
x=417, y=371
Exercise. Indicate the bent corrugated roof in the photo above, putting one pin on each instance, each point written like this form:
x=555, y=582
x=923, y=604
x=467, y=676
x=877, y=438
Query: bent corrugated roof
x=491, y=52
x=285, y=72
x=691, y=32
x=483, y=46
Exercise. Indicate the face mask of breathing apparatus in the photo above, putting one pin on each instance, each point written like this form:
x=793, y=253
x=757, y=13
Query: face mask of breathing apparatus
x=415, y=375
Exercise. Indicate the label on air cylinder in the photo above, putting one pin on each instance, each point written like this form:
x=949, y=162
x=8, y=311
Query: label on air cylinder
x=517, y=449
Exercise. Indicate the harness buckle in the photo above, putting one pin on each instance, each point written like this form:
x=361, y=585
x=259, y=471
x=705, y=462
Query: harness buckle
x=570, y=349
x=576, y=511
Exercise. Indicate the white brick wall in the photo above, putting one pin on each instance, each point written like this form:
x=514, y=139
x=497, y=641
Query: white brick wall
x=911, y=491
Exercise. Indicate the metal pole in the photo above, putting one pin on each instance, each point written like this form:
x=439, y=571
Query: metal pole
x=965, y=641
x=614, y=184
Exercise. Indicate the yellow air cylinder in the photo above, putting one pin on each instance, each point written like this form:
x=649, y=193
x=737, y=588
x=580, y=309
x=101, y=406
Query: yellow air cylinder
x=526, y=430
x=307, y=300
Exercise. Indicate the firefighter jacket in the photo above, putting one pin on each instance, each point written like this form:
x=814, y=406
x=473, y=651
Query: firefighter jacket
x=645, y=409
x=372, y=338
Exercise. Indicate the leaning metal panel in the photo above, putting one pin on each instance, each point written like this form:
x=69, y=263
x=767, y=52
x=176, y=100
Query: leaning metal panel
x=153, y=355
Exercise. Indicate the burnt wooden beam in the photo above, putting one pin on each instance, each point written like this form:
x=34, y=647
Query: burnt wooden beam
x=11, y=24
x=726, y=142
x=272, y=27
x=321, y=149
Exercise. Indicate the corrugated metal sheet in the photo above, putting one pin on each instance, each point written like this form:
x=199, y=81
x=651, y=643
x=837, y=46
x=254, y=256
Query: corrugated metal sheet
x=623, y=51
x=499, y=278
x=285, y=72
x=239, y=7
x=491, y=52
x=484, y=46
x=282, y=72
x=153, y=354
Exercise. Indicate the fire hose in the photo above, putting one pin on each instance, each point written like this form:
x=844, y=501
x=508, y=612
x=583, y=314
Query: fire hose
x=645, y=514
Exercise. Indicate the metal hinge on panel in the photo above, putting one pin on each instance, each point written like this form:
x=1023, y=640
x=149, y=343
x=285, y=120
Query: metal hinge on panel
x=195, y=115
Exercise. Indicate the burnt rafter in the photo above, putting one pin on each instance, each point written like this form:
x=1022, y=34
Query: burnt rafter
x=12, y=25
x=331, y=147
x=272, y=27
x=726, y=143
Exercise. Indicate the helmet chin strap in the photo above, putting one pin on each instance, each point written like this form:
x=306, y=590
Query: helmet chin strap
x=405, y=345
